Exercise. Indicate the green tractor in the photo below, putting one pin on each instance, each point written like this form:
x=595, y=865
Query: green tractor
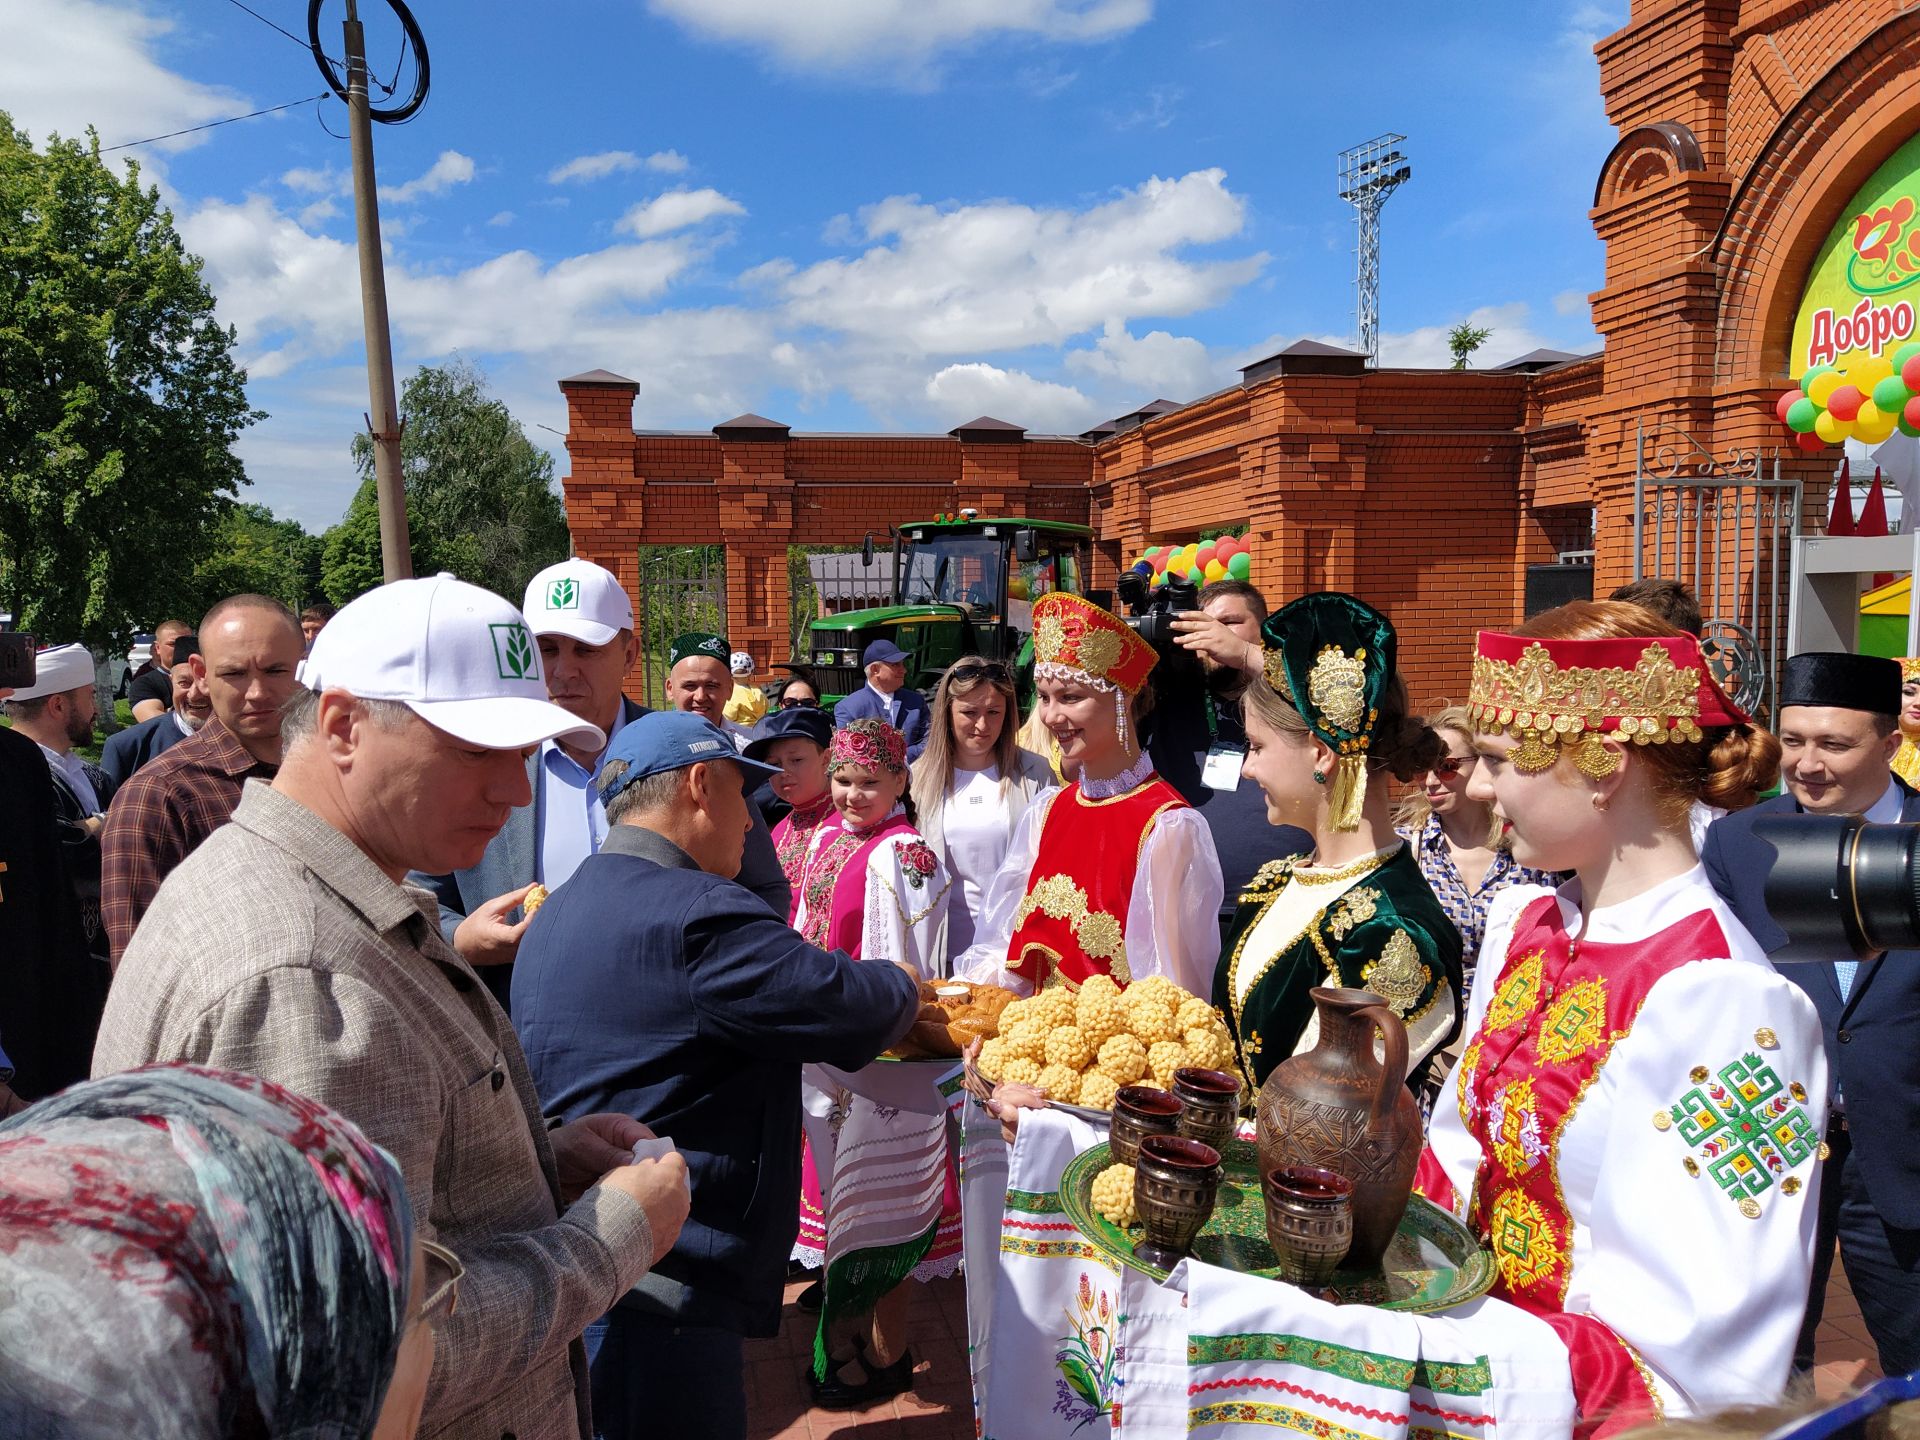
x=961, y=586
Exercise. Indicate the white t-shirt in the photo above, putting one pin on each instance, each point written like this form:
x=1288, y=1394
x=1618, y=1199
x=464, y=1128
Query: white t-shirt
x=977, y=834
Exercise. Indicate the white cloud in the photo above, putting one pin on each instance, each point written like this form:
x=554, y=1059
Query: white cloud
x=451, y=169
x=1153, y=111
x=1426, y=348
x=1570, y=302
x=324, y=181
x=500, y=219
x=82, y=62
x=616, y=162
x=902, y=37
x=318, y=213
x=976, y=388
x=1001, y=275
x=676, y=210
x=1154, y=365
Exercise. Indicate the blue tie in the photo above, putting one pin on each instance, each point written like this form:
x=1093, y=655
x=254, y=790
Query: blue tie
x=1844, y=971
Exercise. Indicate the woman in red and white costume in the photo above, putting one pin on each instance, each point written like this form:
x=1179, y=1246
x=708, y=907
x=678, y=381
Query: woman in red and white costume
x=1115, y=874
x=1634, y=1125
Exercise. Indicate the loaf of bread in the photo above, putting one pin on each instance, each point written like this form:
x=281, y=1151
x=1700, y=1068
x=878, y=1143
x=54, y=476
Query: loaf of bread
x=953, y=1014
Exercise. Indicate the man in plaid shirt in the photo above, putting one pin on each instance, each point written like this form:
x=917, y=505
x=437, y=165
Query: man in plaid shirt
x=250, y=650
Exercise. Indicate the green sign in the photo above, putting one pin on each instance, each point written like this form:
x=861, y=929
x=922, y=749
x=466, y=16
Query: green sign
x=1859, y=301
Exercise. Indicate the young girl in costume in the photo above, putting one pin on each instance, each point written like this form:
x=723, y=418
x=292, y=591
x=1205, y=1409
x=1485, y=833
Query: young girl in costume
x=796, y=740
x=1634, y=1126
x=870, y=886
x=1906, y=760
x=1114, y=875
x=1327, y=723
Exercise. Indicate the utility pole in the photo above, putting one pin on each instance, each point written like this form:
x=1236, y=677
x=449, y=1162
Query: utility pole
x=396, y=554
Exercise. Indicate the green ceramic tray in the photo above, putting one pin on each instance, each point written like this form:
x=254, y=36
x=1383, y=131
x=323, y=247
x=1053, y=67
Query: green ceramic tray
x=1433, y=1264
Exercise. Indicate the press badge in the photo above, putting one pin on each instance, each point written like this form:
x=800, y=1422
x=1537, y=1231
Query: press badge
x=1222, y=770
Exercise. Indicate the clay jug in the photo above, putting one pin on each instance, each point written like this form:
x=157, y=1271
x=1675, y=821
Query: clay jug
x=1338, y=1108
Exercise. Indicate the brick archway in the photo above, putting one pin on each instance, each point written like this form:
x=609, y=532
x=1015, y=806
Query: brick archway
x=1863, y=108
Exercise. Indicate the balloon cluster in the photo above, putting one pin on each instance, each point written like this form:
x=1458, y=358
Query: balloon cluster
x=1201, y=563
x=1866, y=403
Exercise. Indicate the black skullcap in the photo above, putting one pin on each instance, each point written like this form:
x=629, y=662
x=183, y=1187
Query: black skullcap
x=1849, y=682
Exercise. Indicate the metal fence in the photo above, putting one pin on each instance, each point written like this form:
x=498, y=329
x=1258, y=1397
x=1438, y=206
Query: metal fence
x=1725, y=527
x=682, y=588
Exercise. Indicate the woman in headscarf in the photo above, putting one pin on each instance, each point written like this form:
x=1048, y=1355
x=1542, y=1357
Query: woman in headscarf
x=1327, y=724
x=187, y=1254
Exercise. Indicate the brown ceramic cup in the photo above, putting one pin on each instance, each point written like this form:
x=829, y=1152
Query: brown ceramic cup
x=1309, y=1221
x=1139, y=1111
x=1175, y=1182
x=1209, y=1104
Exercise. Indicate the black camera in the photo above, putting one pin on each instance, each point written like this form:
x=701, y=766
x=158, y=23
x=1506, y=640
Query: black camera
x=1151, y=611
x=1839, y=885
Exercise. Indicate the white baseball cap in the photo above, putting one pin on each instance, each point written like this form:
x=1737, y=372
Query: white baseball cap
x=580, y=599
x=741, y=663
x=458, y=656
x=58, y=669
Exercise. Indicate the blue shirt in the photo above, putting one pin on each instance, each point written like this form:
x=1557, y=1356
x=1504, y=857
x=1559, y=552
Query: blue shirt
x=573, y=821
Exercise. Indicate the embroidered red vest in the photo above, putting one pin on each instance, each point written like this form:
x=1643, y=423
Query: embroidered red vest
x=1557, y=1012
x=1072, y=923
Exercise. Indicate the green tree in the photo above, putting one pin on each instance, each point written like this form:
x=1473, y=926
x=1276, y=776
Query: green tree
x=119, y=397
x=480, y=496
x=1463, y=340
x=256, y=553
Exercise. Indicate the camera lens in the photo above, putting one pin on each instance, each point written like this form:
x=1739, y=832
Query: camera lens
x=1840, y=886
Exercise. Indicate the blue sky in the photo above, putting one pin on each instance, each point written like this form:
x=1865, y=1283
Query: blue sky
x=847, y=214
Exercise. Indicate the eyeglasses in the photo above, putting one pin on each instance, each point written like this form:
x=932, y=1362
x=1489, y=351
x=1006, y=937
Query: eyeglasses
x=796, y=703
x=1449, y=767
x=444, y=1273
x=986, y=669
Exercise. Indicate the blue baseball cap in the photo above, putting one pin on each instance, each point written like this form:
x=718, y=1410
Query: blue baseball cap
x=806, y=723
x=670, y=740
x=883, y=652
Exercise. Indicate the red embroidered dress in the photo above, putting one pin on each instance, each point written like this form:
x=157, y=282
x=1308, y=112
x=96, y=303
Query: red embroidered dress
x=1072, y=922
x=793, y=836
x=1633, y=1147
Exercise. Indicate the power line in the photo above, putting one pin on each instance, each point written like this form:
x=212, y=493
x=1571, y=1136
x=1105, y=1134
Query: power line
x=297, y=39
x=213, y=124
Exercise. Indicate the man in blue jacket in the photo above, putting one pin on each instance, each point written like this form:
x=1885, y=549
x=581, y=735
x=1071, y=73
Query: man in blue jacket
x=1838, y=730
x=127, y=750
x=886, y=696
x=654, y=986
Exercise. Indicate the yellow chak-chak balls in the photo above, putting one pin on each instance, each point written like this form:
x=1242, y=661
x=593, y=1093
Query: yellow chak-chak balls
x=1020, y=1071
x=1163, y=1058
x=1097, y=1089
x=1026, y=1041
x=1068, y=1046
x=1055, y=1007
x=1113, y=1195
x=1208, y=1049
x=1151, y=1020
x=993, y=1056
x=1061, y=1082
x=1124, y=1058
x=1194, y=1013
x=1098, y=1013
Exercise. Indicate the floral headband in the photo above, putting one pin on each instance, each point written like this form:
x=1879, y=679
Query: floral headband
x=871, y=744
x=1555, y=695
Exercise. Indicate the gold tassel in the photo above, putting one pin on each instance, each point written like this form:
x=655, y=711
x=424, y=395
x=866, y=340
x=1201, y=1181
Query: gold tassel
x=1348, y=792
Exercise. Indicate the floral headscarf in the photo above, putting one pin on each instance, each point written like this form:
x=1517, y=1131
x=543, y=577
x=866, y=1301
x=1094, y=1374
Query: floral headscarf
x=872, y=744
x=187, y=1254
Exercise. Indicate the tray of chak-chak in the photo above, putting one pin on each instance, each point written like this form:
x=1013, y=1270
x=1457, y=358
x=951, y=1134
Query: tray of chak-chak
x=1433, y=1264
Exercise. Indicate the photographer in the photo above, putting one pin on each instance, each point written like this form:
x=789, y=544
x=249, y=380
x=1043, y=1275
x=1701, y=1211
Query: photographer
x=1194, y=733
x=1838, y=730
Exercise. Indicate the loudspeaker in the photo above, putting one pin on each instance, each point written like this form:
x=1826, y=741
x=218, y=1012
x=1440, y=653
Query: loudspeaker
x=1551, y=585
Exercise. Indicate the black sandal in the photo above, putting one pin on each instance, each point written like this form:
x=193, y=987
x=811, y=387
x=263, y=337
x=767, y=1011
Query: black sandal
x=833, y=1393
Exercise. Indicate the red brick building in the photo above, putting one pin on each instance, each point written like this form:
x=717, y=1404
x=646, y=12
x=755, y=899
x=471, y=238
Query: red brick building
x=1744, y=131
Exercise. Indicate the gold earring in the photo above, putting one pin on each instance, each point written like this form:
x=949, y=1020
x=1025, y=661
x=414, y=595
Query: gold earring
x=1593, y=759
x=1600, y=803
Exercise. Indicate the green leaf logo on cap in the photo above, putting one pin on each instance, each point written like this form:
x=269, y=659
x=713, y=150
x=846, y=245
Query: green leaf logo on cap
x=563, y=594
x=514, y=653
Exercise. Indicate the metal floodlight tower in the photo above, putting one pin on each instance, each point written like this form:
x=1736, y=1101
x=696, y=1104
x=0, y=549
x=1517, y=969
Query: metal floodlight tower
x=1369, y=173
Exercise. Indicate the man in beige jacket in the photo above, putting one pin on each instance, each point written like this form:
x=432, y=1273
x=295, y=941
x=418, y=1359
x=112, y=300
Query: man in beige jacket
x=287, y=947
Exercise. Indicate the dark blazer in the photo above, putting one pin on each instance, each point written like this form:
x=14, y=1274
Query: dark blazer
x=1872, y=1052
x=916, y=718
x=648, y=987
x=512, y=859
x=81, y=848
x=127, y=750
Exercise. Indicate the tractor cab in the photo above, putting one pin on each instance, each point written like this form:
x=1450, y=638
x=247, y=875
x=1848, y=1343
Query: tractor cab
x=962, y=586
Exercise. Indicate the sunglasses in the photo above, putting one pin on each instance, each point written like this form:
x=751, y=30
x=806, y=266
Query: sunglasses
x=444, y=1272
x=1450, y=767
x=988, y=669
x=797, y=703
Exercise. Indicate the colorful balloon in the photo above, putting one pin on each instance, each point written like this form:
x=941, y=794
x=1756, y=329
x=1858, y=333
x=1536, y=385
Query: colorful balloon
x=1910, y=412
x=1870, y=372
x=1215, y=571
x=1197, y=576
x=1821, y=387
x=1204, y=556
x=1801, y=415
x=1910, y=372
x=1891, y=394
x=1813, y=373
x=1810, y=443
x=1240, y=566
x=1905, y=353
x=1831, y=428
x=1785, y=403
x=1845, y=402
